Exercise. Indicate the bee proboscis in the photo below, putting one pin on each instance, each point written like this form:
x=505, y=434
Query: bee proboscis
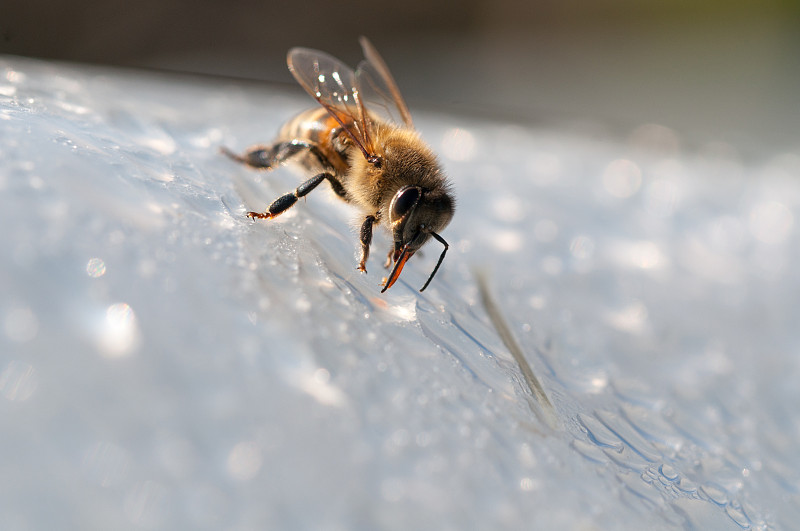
x=362, y=141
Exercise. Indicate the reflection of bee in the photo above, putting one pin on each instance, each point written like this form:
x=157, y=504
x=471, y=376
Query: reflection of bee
x=370, y=159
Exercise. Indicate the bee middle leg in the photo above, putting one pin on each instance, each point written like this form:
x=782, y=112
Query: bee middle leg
x=366, y=240
x=285, y=201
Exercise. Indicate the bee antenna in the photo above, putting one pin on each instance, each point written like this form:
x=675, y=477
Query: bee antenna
x=441, y=257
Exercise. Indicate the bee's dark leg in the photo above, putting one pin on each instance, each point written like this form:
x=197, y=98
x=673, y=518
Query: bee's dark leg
x=366, y=240
x=287, y=200
x=266, y=157
x=337, y=187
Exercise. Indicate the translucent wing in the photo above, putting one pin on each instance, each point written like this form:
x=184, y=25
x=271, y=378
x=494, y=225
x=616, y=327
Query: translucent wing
x=378, y=89
x=334, y=85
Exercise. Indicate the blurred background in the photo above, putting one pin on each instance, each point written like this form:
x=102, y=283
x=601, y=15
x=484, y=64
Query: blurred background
x=713, y=69
x=167, y=363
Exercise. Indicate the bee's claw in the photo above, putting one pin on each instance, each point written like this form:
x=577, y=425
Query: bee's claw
x=259, y=215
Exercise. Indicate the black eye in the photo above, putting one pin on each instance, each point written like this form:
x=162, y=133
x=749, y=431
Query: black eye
x=403, y=201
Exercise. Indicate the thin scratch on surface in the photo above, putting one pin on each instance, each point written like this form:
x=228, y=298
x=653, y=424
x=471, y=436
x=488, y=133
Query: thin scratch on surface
x=541, y=405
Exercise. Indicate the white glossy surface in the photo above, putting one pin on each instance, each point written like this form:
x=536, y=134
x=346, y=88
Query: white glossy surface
x=168, y=364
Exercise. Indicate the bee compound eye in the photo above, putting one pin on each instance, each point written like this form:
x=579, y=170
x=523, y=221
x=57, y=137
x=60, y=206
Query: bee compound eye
x=403, y=201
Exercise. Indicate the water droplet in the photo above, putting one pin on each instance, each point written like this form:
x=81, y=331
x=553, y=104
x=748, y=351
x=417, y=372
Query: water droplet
x=668, y=472
x=771, y=222
x=508, y=208
x=552, y=265
x=714, y=493
x=632, y=318
x=589, y=451
x=622, y=178
x=95, y=268
x=118, y=333
x=737, y=514
x=18, y=381
x=582, y=247
x=598, y=433
x=507, y=241
x=643, y=254
x=244, y=461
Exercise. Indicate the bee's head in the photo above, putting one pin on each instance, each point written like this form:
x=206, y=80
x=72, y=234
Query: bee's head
x=415, y=215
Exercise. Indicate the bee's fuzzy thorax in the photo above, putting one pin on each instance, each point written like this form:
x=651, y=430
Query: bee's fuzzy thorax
x=405, y=159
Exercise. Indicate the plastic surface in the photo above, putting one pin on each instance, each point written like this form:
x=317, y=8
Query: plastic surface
x=169, y=364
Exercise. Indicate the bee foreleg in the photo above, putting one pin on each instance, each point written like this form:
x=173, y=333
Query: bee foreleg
x=285, y=201
x=366, y=240
x=388, y=263
x=267, y=157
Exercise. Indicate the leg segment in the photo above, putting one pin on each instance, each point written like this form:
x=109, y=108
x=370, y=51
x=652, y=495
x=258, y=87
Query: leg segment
x=267, y=157
x=287, y=200
x=366, y=240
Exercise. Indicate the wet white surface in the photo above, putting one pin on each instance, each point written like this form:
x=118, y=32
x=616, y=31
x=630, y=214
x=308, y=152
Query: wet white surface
x=168, y=364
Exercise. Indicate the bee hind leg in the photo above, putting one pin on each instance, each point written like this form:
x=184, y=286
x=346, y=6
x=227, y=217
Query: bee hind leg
x=267, y=157
x=286, y=201
x=366, y=240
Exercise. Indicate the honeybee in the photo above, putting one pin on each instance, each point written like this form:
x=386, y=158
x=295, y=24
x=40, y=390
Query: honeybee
x=362, y=141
